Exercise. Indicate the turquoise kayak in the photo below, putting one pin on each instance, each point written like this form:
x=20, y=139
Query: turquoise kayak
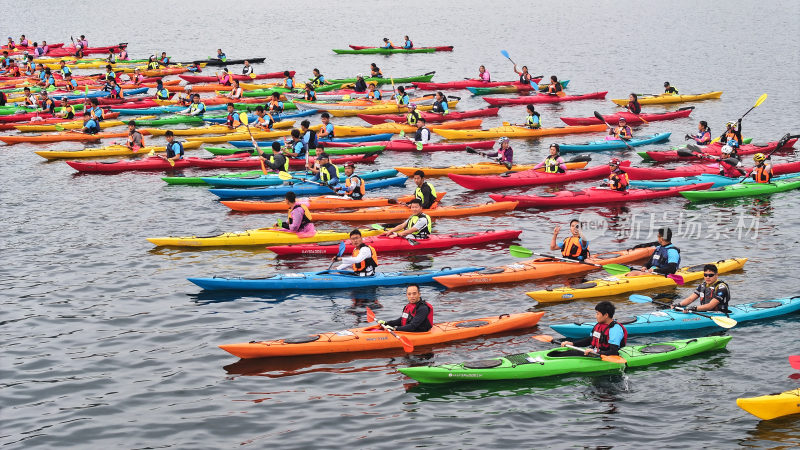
x=325, y=280
x=273, y=180
x=718, y=180
x=252, y=117
x=597, y=146
x=299, y=189
x=743, y=190
x=546, y=363
x=669, y=320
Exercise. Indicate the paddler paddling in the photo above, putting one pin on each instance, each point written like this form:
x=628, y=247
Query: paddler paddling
x=555, y=86
x=666, y=257
x=533, y=121
x=67, y=111
x=364, y=260
x=402, y=98
x=714, y=294
x=372, y=92
x=504, y=154
x=554, y=163
x=135, y=140
x=425, y=191
x=762, y=172
x=387, y=43
x=296, y=148
x=327, y=172
x=288, y=80
x=419, y=225
x=524, y=76
x=318, y=79
x=606, y=338
x=309, y=136
x=669, y=89
x=574, y=247
x=407, y=44
x=247, y=69
x=90, y=124
x=733, y=134
x=729, y=164
x=264, y=120
x=275, y=106
x=417, y=315
x=161, y=92
x=622, y=131
x=413, y=115
x=277, y=161
x=423, y=134
x=617, y=179
x=309, y=93
x=299, y=217
x=236, y=91
x=633, y=105
x=353, y=185
x=703, y=136
x=197, y=108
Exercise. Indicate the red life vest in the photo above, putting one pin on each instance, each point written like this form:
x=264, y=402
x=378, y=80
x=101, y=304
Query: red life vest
x=600, y=336
x=410, y=311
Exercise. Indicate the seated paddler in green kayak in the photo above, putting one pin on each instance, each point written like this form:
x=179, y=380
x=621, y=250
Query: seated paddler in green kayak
x=606, y=338
x=364, y=259
x=417, y=315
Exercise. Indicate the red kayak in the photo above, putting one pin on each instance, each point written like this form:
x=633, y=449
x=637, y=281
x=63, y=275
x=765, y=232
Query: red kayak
x=69, y=51
x=658, y=173
x=214, y=79
x=716, y=150
x=227, y=162
x=632, y=119
x=530, y=177
x=542, y=98
x=438, y=48
x=408, y=146
x=463, y=84
x=377, y=119
x=399, y=244
x=592, y=196
x=51, y=120
x=336, y=144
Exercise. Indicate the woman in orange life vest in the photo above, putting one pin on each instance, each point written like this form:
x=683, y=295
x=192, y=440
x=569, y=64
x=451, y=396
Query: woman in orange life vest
x=353, y=185
x=299, y=217
x=574, y=247
x=555, y=86
x=762, y=172
x=606, y=338
x=364, y=260
x=618, y=179
x=622, y=131
x=733, y=133
x=714, y=294
x=417, y=314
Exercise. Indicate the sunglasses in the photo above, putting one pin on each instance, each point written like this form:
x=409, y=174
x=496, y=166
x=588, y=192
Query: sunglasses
x=709, y=275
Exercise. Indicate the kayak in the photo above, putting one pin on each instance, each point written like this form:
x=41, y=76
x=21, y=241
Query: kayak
x=771, y=406
x=299, y=189
x=274, y=180
x=463, y=84
x=260, y=236
x=198, y=181
x=314, y=203
x=621, y=284
x=531, y=177
x=385, y=80
x=546, y=363
x=400, y=244
x=593, y=196
x=542, y=98
x=172, y=120
x=227, y=62
x=376, y=119
x=669, y=98
x=381, y=51
x=62, y=137
x=716, y=150
x=510, y=89
x=234, y=162
x=516, y=132
x=210, y=129
x=670, y=320
x=324, y=280
x=481, y=168
x=404, y=145
x=376, y=338
x=660, y=173
x=111, y=150
x=743, y=190
x=356, y=150
x=718, y=180
x=400, y=212
x=539, y=268
x=213, y=79
x=387, y=108
x=252, y=117
x=630, y=118
x=335, y=142
x=243, y=135
x=438, y=48
x=614, y=144
x=393, y=127
x=70, y=124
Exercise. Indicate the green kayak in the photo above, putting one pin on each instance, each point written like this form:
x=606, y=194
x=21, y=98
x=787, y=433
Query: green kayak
x=509, y=89
x=647, y=157
x=172, y=120
x=386, y=80
x=381, y=51
x=743, y=190
x=287, y=106
x=11, y=109
x=329, y=150
x=544, y=364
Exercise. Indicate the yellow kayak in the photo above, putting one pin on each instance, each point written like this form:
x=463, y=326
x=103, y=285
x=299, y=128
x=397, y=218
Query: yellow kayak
x=391, y=108
x=481, y=168
x=239, y=136
x=517, y=132
x=261, y=236
x=111, y=150
x=393, y=127
x=771, y=406
x=212, y=129
x=75, y=125
x=620, y=284
x=669, y=98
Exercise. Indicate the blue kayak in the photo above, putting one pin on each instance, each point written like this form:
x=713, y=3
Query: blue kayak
x=718, y=180
x=615, y=144
x=160, y=110
x=669, y=320
x=299, y=189
x=252, y=117
x=325, y=280
x=99, y=94
x=370, y=138
x=273, y=180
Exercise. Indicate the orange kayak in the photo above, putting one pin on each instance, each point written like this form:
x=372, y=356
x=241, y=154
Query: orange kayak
x=399, y=212
x=375, y=338
x=66, y=136
x=535, y=269
x=324, y=202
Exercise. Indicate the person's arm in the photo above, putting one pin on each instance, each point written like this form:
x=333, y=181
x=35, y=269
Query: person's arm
x=395, y=229
x=297, y=219
x=561, y=164
x=347, y=261
x=690, y=299
x=419, y=319
x=553, y=244
x=421, y=223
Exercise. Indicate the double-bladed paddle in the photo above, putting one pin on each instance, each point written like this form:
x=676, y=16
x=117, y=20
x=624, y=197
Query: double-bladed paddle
x=724, y=322
x=602, y=119
x=608, y=358
x=407, y=345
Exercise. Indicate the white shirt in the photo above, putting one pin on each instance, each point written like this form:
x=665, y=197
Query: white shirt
x=348, y=261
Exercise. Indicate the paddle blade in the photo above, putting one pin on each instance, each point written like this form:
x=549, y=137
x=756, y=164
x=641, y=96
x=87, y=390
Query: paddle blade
x=407, y=345
x=370, y=315
x=636, y=298
x=794, y=361
x=760, y=100
x=676, y=278
x=59, y=128
x=686, y=152
x=600, y=117
x=341, y=249
x=613, y=359
x=171, y=163
x=419, y=146
x=469, y=149
x=505, y=53
x=724, y=322
x=377, y=226
x=543, y=338
x=616, y=269
x=520, y=252
x=244, y=119
x=252, y=76
x=284, y=176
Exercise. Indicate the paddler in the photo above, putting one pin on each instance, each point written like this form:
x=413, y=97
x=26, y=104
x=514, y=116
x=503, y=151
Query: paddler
x=232, y=119
x=525, y=76
x=413, y=115
x=554, y=163
x=669, y=89
x=96, y=111
x=714, y=294
x=299, y=217
x=264, y=120
x=353, y=185
x=606, y=338
x=417, y=315
x=375, y=71
x=49, y=80
x=666, y=258
x=633, y=105
x=422, y=134
x=574, y=247
x=123, y=53
x=11, y=45
x=152, y=63
x=407, y=44
x=236, y=91
x=401, y=97
x=360, y=85
x=28, y=99
x=309, y=136
x=164, y=60
x=372, y=92
x=137, y=77
x=419, y=225
x=387, y=43
x=67, y=111
x=197, y=108
x=440, y=104
x=504, y=154
x=296, y=149
x=327, y=130
x=90, y=124
x=703, y=136
x=47, y=103
x=174, y=148
x=161, y=92
x=110, y=74
x=319, y=79
x=425, y=191
x=184, y=100
x=483, y=75
x=247, y=69
x=135, y=139
x=617, y=179
x=762, y=172
x=288, y=80
x=364, y=260
x=277, y=161
x=555, y=86
x=23, y=41
x=221, y=56
x=733, y=133
x=327, y=173
x=622, y=131
x=729, y=165
x=114, y=90
x=533, y=121
x=111, y=58
x=224, y=78
x=275, y=106
x=309, y=93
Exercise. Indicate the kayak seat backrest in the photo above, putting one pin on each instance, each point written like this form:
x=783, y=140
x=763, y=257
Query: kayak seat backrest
x=767, y=304
x=482, y=364
x=301, y=339
x=472, y=324
x=588, y=285
x=657, y=348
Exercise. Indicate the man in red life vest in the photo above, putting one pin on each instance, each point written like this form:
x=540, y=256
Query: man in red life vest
x=417, y=314
x=607, y=336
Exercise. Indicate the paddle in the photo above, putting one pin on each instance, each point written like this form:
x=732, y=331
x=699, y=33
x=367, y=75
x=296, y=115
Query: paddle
x=602, y=119
x=472, y=150
x=338, y=254
x=724, y=322
x=286, y=176
x=407, y=237
x=607, y=358
x=407, y=345
x=505, y=53
x=781, y=143
x=245, y=120
x=613, y=269
x=758, y=102
x=794, y=361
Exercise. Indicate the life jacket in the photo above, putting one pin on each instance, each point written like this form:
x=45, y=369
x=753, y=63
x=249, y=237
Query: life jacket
x=247, y=70
x=312, y=139
x=525, y=77
x=316, y=82
x=551, y=165
x=232, y=120
x=533, y=121
x=634, y=107
x=164, y=60
x=660, y=256
x=732, y=136
x=197, y=106
x=410, y=311
x=222, y=57
x=171, y=152
x=623, y=132
x=600, y=336
x=573, y=248
x=327, y=172
x=710, y=292
x=671, y=90
x=276, y=106
x=409, y=44
x=762, y=173
x=3, y=98
x=403, y=99
x=331, y=129
x=97, y=114
x=116, y=92
x=554, y=87
x=306, y=214
x=225, y=79
x=162, y=94
x=131, y=140
x=311, y=95
x=357, y=194
x=704, y=138
x=285, y=162
x=439, y=106
x=153, y=65
x=506, y=155
x=288, y=82
x=367, y=266
x=423, y=233
x=619, y=180
x=413, y=117
x=418, y=193
x=65, y=71
x=49, y=105
x=418, y=134
x=92, y=126
x=374, y=94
